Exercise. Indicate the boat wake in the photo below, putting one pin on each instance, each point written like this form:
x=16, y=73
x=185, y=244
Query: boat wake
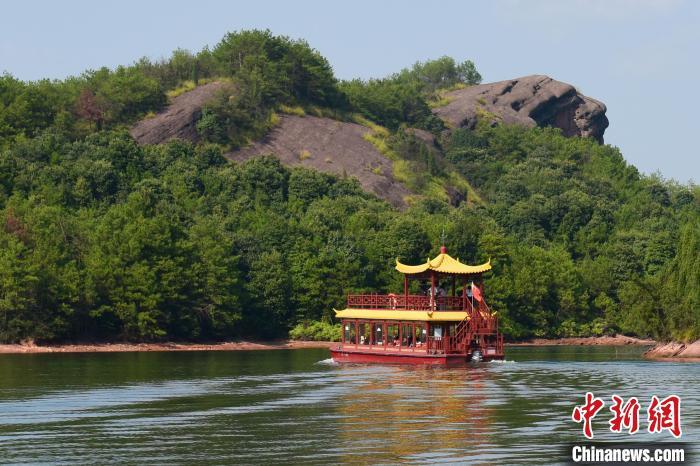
x=501, y=361
x=327, y=362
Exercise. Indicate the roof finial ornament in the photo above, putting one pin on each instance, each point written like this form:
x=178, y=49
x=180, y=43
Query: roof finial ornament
x=443, y=249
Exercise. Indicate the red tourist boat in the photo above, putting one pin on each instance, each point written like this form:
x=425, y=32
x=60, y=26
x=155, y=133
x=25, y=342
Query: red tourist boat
x=439, y=327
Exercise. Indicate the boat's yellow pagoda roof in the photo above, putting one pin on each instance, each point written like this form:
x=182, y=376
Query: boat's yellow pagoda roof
x=443, y=263
x=388, y=314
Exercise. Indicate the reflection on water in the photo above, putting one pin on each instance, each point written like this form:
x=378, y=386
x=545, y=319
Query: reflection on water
x=275, y=406
x=407, y=412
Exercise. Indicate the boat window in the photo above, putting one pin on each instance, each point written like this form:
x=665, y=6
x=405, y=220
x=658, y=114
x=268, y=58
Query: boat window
x=407, y=335
x=436, y=331
x=363, y=333
x=420, y=335
x=349, y=332
x=392, y=334
x=378, y=337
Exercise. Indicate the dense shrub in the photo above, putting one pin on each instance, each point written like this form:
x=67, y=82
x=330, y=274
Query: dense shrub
x=316, y=331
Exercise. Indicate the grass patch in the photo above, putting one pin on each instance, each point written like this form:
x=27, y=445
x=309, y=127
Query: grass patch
x=411, y=199
x=411, y=173
x=377, y=130
x=292, y=110
x=461, y=183
x=483, y=114
x=381, y=145
x=181, y=89
x=188, y=85
x=440, y=98
x=456, y=87
x=435, y=189
x=377, y=136
x=402, y=171
x=325, y=112
x=440, y=102
x=314, y=110
x=304, y=154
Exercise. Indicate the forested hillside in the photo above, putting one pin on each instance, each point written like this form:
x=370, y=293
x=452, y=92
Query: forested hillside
x=101, y=238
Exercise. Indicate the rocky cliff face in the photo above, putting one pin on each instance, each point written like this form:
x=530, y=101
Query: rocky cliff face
x=179, y=119
x=329, y=146
x=531, y=101
x=319, y=143
x=340, y=147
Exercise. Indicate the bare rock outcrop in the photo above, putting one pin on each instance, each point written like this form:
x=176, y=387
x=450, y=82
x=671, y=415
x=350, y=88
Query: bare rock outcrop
x=329, y=146
x=340, y=148
x=531, y=101
x=675, y=350
x=179, y=119
x=320, y=143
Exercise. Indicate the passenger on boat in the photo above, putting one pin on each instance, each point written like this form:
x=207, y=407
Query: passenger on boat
x=393, y=300
x=431, y=294
x=435, y=295
x=441, y=293
x=396, y=340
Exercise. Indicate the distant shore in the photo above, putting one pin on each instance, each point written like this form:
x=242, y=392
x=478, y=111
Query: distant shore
x=153, y=347
x=658, y=351
x=244, y=345
x=617, y=340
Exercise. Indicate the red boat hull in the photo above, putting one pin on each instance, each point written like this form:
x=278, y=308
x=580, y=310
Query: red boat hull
x=347, y=355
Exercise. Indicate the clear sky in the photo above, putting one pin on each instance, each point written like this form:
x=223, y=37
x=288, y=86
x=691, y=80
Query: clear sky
x=640, y=57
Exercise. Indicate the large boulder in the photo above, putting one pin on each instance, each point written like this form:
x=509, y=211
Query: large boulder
x=665, y=350
x=692, y=350
x=531, y=101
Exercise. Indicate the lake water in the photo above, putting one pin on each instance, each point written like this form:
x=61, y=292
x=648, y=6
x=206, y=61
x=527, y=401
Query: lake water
x=293, y=406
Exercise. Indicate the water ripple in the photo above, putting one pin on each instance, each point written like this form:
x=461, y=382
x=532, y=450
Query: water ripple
x=295, y=406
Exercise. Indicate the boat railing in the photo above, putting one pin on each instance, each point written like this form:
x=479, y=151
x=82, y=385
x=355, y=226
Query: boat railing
x=409, y=302
x=479, y=322
x=443, y=345
x=438, y=344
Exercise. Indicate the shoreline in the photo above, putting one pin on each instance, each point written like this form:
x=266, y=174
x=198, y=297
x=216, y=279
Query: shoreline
x=241, y=345
x=674, y=352
x=617, y=340
x=245, y=345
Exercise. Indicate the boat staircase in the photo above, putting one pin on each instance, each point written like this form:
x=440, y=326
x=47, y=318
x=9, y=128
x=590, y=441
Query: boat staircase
x=478, y=331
